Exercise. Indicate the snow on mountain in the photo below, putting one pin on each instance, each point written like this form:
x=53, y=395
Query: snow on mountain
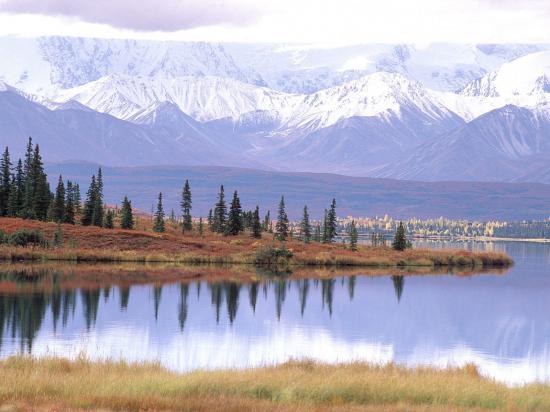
x=497, y=146
x=203, y=98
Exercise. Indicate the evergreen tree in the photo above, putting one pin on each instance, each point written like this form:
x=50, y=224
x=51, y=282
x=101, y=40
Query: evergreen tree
x=69, y=216
x=15, y=200
x=201, y=227
x=42, y=196
x=305, y=227
x=210, y=221
x=317, y=235
x=353, y=236
x=400, y=239
x=77, y=199
x=109, y=219
x=281, y=228
x=126, y=215
x=267, y=222
x=325, y=227
x=89, y=204
x=5, y=182
x=186, y=203
x=98, y=212
x=220, y=212
x=256, y=225
x=58, y=206
x=159, y=217
x=331, y=223
x=29, y=181
x=234, y=221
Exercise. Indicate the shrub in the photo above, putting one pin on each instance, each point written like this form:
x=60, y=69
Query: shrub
x=26, y=237
x=3, y=237
x=270, y=256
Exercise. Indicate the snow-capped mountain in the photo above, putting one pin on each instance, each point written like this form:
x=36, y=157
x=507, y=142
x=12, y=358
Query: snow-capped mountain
x=500, y=145
x=383, y=110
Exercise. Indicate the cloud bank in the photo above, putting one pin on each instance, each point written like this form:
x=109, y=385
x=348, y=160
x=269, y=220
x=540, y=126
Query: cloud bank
x=143, y=15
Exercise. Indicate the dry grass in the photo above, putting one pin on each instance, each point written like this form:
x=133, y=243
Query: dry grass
x=56, y=384
x=92, y=244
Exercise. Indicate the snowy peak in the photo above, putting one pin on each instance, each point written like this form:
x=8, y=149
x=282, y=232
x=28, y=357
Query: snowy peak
x=525, y=76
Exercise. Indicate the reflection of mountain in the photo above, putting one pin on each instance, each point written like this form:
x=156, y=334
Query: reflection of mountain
x=499, y=322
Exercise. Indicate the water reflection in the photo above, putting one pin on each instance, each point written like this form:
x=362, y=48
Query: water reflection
x=500, y=322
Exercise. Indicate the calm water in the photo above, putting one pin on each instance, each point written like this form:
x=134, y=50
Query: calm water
x=499, y=322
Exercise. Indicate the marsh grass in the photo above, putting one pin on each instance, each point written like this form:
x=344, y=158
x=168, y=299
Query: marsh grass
x=81, y=384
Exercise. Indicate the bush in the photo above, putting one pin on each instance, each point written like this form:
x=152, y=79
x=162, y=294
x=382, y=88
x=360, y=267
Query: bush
x=3, y=237
x=26, y=237
x=270, y=256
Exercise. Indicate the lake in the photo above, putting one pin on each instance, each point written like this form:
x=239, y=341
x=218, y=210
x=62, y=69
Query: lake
x=500, y=322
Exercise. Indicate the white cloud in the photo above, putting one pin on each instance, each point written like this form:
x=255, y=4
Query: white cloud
x=288, y=21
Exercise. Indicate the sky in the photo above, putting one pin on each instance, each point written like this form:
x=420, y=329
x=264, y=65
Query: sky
x=319, y=22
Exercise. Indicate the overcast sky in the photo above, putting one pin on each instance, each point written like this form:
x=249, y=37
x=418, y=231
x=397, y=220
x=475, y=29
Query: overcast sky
x=322, y=22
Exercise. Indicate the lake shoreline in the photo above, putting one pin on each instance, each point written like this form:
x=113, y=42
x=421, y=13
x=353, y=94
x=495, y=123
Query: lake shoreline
x=93, y=244
x=57, y=383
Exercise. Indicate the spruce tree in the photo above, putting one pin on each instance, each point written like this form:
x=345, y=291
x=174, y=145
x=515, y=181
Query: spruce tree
x=109, y=219
x=256, y=224
x=220, y=212
x=281, y=228
x=42, y=195
x=210, y=221
x=15, y=201
x=234, y=220
x=186, y=205
x=89, y=204
x=29, y=183
x=98, y=212
x=201, y=227
x=5, y=182
x=305, y=227
x=69, y=216
x=353, y=236
x=331, y=223
x=325, y=227
x=58, y=207
x=126, y=215
x=400, y=239
x=267, y=222
x=77, y=199
x=158, y=225
x=317, y=235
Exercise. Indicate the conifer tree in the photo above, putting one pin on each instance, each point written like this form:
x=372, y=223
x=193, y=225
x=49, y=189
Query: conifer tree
x=400, y=239
x=220, y=212
x=305, y=226
x=89, y=204
x=201, y=227
x=325, y=227
x=69, y=216
x=42, y=196
x=126, y=215
x=159, y=217
x=58, y=207
x=331, y=223
x=109, y=219
x=281, y=228
x=353, y=236
x=186, y=205
x=15, y=200
x=29, y=182
x=256, y=224
x=234, y=220
x=317, y=235
x=210, y=221
x=267, y=222
x=5, y=182
x=98, y=212
x=77, y=199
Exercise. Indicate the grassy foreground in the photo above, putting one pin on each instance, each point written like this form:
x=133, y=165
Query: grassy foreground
x=56, y=384
x=92, y=244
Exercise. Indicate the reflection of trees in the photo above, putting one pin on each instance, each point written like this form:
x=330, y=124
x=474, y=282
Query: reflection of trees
x=157, y=294
x=253, y=295
x=327, y=291
x=124, y=292
x=90, y=302
x=182, y=312
x=351, y=286
x=398, y=285
x=232, y=292
x=303, y=290
x=280, y=295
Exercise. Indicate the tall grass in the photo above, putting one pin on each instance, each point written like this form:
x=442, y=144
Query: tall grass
x=80, y=384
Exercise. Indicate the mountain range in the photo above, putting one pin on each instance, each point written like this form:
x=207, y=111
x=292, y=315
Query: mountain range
x=438, y=112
